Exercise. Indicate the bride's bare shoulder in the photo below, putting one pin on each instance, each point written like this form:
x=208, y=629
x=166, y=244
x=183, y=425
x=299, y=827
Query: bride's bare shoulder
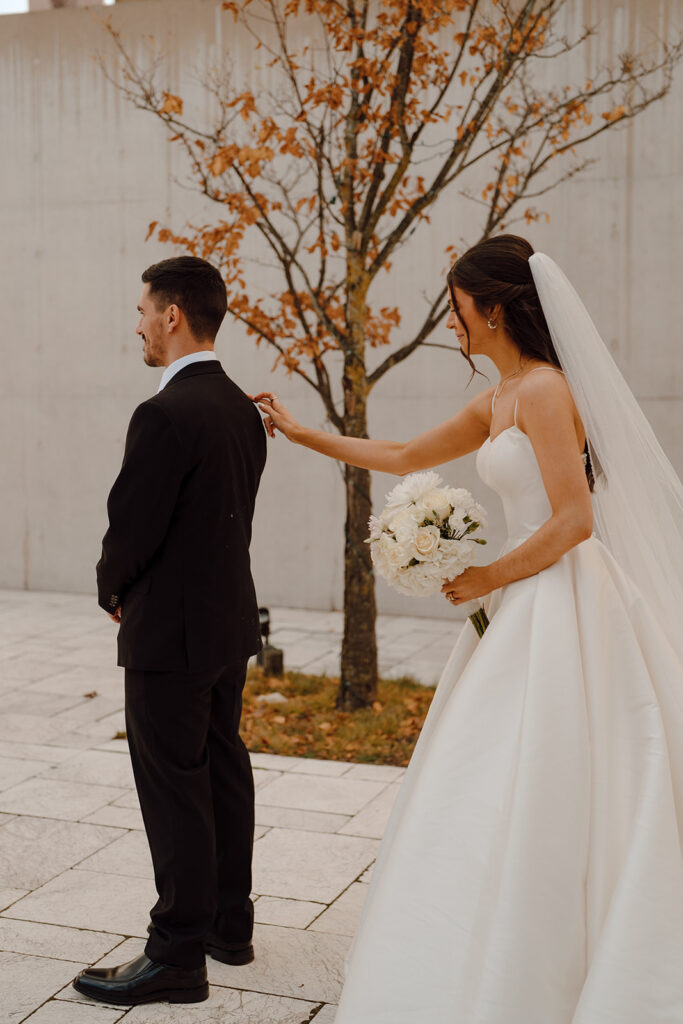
x=548, y=395
x=550, y=384
x=481, y=403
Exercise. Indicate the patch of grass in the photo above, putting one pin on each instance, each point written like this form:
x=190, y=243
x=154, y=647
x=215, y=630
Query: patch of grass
x=308, y=725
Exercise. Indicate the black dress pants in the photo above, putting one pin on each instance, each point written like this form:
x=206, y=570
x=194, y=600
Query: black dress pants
x=196, y=790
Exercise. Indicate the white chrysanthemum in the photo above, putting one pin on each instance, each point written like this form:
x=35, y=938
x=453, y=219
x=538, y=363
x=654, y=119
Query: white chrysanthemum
x=478, y=514
x=375, y=527
x=459, y=497
x=411, y=489
x=453, y=557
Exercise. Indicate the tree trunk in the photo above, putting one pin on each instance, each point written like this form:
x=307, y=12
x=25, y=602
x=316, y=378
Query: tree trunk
x=358, y=686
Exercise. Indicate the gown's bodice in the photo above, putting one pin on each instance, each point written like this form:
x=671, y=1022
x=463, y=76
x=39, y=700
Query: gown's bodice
x=507, y=464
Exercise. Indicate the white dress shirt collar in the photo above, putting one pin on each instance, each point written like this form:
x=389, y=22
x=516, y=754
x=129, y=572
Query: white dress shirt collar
x=179, y=364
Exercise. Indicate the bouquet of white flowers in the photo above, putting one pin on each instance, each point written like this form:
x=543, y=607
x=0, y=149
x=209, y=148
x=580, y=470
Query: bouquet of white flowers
x=425, y=536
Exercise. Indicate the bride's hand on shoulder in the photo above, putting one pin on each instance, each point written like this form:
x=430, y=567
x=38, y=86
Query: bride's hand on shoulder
x=276, y=415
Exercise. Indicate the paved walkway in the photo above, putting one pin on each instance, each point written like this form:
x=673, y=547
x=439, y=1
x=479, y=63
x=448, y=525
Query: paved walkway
x=75, y=874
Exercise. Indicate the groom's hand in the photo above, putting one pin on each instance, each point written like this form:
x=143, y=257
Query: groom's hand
x=116, y=617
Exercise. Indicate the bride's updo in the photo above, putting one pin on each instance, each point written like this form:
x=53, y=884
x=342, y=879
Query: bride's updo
x=496, y=271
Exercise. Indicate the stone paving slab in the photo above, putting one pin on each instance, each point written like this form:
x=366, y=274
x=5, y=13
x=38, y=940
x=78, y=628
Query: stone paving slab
x=34, y=850
x=26, y=982
x=309, y=865
x=116, y=904
x=228, y=1006
x=290, y=962
x=48, y=798
x=96, y=767
x=69, y=1013
x=55, y=941
x=10, y=896
x=76, y=879
x=317, y=793
x=13, y=771
x=342, y=916
x=372, y=819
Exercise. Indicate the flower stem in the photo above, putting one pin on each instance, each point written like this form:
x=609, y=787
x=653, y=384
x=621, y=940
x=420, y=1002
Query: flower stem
x=480, y=621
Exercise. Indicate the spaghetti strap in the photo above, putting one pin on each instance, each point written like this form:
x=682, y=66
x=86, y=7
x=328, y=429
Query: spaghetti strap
x=515, y=416
x=555, y=368
x=495, y=390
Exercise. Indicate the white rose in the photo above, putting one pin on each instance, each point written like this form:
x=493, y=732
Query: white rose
x=389, y=555
x=426, y=543
x=404, y=524
x=435, y=502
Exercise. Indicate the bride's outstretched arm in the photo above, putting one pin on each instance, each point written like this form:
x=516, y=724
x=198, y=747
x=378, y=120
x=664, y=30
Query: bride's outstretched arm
x=547, y=416
x=462, y=433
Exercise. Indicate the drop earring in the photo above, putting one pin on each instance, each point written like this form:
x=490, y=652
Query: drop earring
x=492, y=326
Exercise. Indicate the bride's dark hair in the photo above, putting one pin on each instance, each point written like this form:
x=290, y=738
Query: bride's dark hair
x=495, y=272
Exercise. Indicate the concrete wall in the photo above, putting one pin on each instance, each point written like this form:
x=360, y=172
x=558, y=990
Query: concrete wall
x=82, y=175
x=48, y=5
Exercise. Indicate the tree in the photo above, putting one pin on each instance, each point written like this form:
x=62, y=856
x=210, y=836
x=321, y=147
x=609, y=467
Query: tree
x=385, y=108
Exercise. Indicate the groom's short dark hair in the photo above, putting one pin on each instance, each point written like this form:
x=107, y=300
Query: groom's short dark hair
x=193, y=285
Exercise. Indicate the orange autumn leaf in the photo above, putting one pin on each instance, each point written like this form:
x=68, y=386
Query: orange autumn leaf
x=220, y=162
x=615, y=115
x=171, y=105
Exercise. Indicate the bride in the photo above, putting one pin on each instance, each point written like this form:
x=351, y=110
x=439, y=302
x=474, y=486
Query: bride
x=531, y=871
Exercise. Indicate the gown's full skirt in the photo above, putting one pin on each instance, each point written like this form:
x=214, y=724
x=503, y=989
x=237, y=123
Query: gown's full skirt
x=531, y=871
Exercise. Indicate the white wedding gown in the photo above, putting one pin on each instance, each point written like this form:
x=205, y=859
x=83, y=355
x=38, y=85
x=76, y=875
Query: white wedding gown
x=532, y=872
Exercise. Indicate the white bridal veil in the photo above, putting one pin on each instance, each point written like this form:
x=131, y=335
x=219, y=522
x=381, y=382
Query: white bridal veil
x=638, y=497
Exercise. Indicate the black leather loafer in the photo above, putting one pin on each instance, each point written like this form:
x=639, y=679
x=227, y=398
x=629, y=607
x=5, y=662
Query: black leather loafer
x=143, y=981
x=235, y=953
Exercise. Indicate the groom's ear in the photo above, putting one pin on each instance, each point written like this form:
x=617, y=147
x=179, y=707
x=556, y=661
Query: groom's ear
x=173, y=317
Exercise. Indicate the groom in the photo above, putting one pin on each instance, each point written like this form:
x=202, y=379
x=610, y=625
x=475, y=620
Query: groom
x=175, y=574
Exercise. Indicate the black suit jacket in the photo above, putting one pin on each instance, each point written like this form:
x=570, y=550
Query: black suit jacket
x=176, y=554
